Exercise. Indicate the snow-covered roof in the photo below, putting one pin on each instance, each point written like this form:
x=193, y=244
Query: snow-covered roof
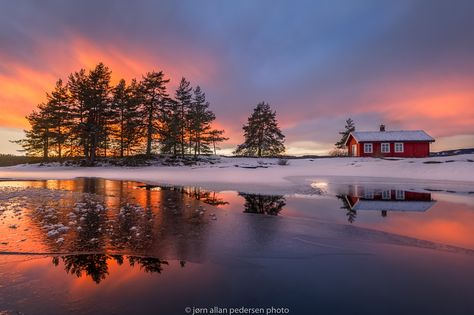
x=400, y=135
x=378, y=205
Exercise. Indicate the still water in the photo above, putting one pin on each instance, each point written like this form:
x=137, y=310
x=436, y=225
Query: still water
x=93, y=246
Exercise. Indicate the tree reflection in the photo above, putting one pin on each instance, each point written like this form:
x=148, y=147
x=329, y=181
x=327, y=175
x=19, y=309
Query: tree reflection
x=147, y=264
x=210, y=197
x=350, y=213
x=96, y=266
x=263, y=204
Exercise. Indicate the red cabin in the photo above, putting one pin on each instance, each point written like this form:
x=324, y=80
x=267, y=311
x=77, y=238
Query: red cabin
x=403, y=143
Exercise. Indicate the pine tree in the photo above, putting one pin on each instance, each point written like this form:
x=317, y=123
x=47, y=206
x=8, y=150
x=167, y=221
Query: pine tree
x=183, y=97
x=170, y=128
x=262, y=135
x=132, y=128
x=78, y=87
x=91, y=109
x=199, y=119
x=58, y=111
x=349, y=127
x=125, y=119
x=153, y=89
x=37, y=139
x=119, y=106
x=99, y=109
x=215, y=136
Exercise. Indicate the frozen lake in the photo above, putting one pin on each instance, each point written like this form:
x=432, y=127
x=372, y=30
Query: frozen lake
x=91, y=245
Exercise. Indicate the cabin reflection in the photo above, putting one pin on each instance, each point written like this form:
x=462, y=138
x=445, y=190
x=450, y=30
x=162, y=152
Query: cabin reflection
x=96, y=266
x=385, y=200
x=263, y=204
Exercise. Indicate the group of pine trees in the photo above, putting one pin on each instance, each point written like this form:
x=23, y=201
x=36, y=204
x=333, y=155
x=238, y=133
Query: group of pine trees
x=87, y=116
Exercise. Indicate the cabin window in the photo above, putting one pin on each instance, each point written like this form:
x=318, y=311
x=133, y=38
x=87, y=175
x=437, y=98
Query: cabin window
x=368, y=148
x=400, y=195
x=368, y=195
x=386, y=194
x=399, y=147
x=385, y=148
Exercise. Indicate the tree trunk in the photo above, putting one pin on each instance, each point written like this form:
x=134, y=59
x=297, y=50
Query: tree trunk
x=121, y=139
x=149, y=133
x=121, y=133
x=198, y=141
x=105, y=146
x=92, y=147
x=59, y=141
x=182, y=130
x=46, y=146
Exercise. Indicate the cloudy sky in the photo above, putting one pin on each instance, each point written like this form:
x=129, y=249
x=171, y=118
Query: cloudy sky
x=406, y=63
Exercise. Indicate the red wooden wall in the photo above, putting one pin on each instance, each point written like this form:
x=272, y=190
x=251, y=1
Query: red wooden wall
x=411, y=149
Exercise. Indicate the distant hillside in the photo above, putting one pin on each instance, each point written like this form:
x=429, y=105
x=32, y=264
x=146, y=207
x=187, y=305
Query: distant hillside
x=453, y=152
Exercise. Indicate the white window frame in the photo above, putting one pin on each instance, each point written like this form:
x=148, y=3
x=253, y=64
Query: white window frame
x=368, y=145
x=385, y=144
x=386, y=194
x=400, y=194
x=397, y=150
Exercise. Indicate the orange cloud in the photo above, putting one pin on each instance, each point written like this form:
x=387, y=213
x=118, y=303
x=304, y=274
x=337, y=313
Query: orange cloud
x=442, y=107
x=20, y=90
x=23, y=87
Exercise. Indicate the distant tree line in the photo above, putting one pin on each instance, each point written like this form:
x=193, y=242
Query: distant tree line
x=89, y=117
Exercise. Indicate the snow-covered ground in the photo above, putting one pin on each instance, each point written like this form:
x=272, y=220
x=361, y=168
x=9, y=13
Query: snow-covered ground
x=265, y=175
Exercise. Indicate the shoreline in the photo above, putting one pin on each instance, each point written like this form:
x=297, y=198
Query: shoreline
x=247, y=175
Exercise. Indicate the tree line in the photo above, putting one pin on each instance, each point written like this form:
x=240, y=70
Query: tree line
x=87, y=116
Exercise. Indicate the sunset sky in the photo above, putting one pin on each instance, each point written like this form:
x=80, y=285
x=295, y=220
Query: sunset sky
x=408, y=64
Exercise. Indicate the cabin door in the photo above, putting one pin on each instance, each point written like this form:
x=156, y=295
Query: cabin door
x=354, y=150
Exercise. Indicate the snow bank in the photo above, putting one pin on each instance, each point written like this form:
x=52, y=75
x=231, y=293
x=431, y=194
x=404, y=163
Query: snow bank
x=247, y=174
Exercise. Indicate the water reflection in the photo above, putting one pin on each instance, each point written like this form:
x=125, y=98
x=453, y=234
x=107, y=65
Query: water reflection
x=206, y=196
x=385, y=200
x=118, y=229
x=126, y=217
x=95, y=215
x=263, y=204
x=350, y=213
x=96, y=266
